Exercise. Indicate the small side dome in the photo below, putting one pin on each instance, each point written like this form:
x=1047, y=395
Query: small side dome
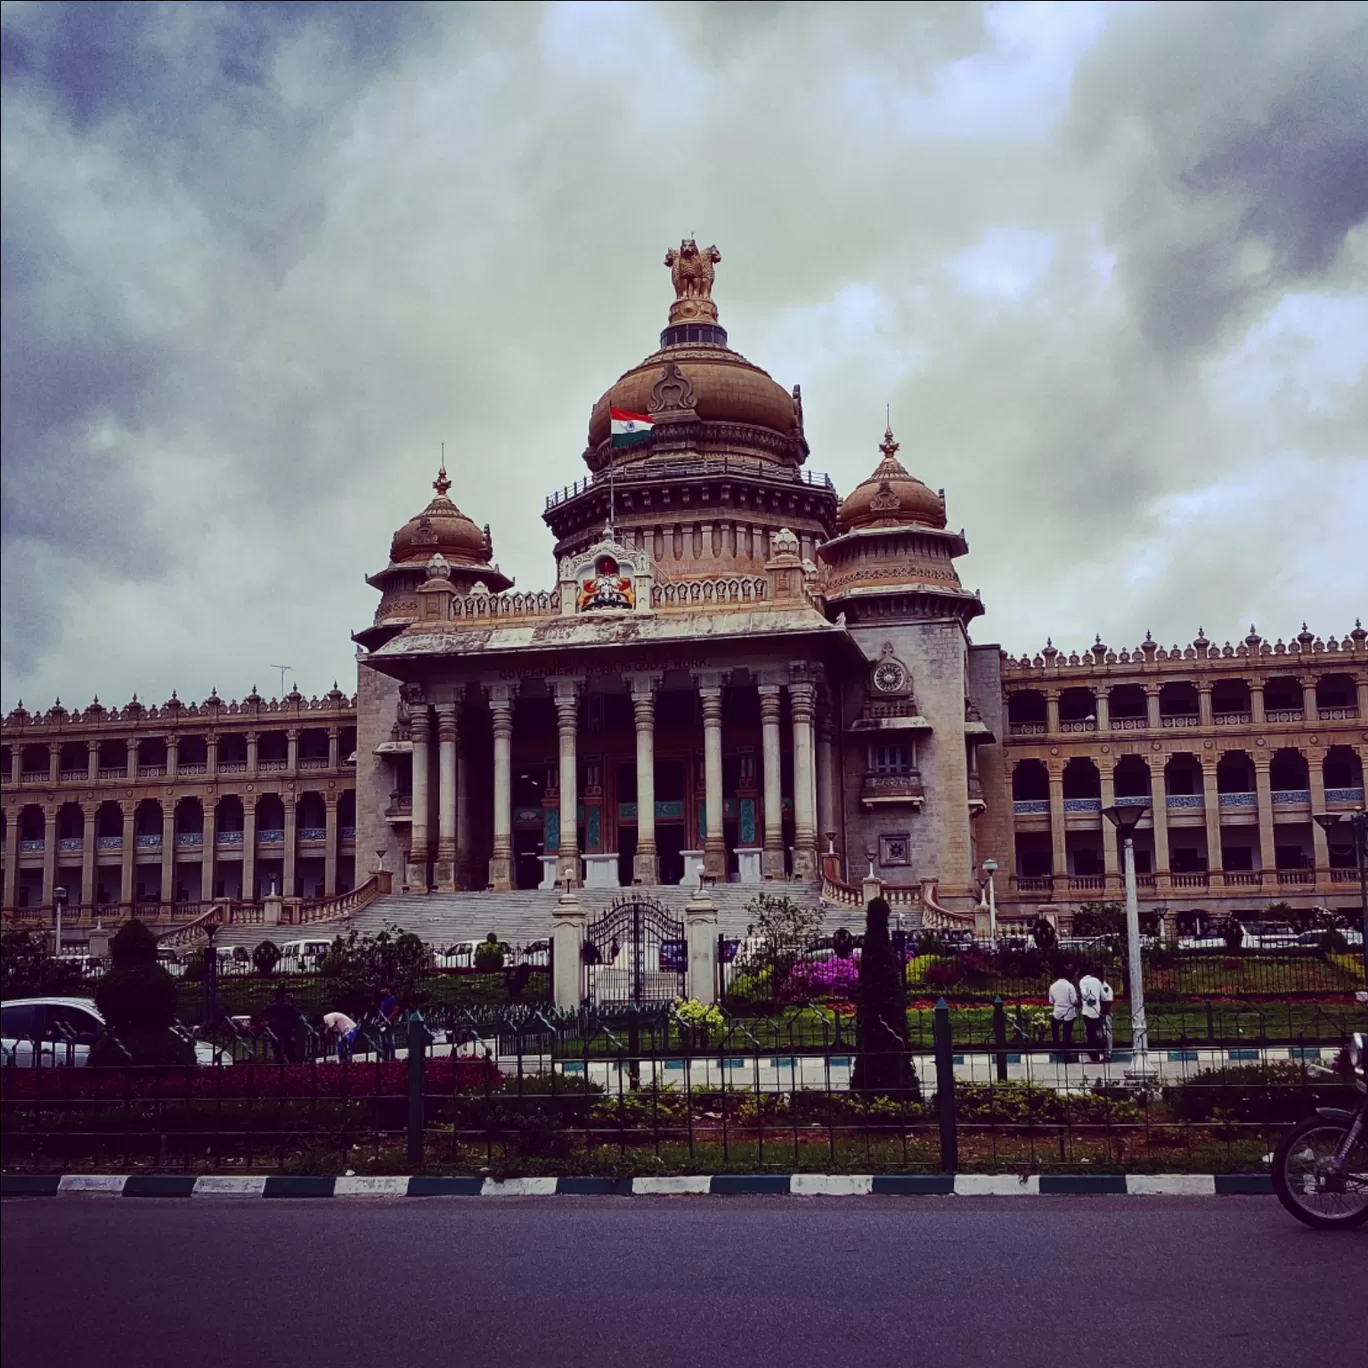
x=891, y=497
x=441, y=528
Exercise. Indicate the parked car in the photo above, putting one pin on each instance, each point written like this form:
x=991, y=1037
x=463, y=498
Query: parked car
x=537, y=954
x=63, y=1029
x=1265, y=935
x=302, y=956
x=1085, y=942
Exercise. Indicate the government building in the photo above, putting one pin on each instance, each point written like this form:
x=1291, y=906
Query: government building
x=732, y=674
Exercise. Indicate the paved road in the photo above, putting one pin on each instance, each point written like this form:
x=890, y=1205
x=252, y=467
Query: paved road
x=378, y=1283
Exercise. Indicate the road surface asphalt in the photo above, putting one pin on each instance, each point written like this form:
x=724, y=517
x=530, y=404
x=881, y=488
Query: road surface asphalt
x=1031, y=1282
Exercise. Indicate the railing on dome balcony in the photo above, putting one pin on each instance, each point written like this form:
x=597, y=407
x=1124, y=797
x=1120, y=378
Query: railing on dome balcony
x=692, y=469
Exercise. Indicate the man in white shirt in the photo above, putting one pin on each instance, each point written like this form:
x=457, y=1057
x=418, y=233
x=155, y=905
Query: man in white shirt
x=1093, y=993
x=343, y=1028
x=1064, y=1011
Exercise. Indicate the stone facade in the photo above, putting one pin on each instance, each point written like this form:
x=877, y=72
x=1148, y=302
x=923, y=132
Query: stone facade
x=732, y=674
x=163, y=810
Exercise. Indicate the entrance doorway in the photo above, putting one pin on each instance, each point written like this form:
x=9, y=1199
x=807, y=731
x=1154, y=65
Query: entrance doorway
x=670, y=848
x=627, y=844
x=527, y=868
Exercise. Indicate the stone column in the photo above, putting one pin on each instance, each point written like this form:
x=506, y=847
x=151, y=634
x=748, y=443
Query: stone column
x=646, y=864
x=49, y=854
x=566, y=694
x=131, y=769
x=172, y=757
x=1211, y=803
x=12, y=851
x=714, y=838
x=1159, y=820
x=419, y=729
x=92, y=762
x=292, y=754
x=700, y=936
x=501, y=698
x=772, y=860
x=130, y=844
x=1256, y=701
x=1319, y=842
x=211, y=756
x=444, y=872
x=168, y=860
x=826, y=770
x=463, y=814
x=1059, y=851
x=330, y=845
x=1268, y=857
x=334, y=753
x=249, y=878
x=567, y=949
x=1111, y=855
x=1204, y=702
x=16, y=765
x=252, y=739
x=88, y=857
x=1152, y=706
x=287, y=878
x=1361, y=685
x=54, y=762
x=802, y=697
x=1102, y=710
x=1310, y=712
x=1052, y=711
x=208, y=851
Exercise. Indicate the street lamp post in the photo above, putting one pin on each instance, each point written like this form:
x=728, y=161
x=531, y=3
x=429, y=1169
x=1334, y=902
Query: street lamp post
x=1357, y=822
x=59, y=898
x=1125, y=820
x=990, y=868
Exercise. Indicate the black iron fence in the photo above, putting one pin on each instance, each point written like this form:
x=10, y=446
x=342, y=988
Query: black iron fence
x=529, y=1091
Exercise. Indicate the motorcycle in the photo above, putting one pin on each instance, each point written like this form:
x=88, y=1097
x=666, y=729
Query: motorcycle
x=1320, y=1170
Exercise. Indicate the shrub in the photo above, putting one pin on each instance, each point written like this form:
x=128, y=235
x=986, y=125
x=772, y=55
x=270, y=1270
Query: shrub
x=489, y=955
x=1100, y=919
x=834, y=977
x=133, y=943
x=1264, y=1093
x=1044, y=933
x=883, y=1063
x=1018, y=1104
x=138, y=1002
x=784, y=929
x=943, y=973
x=265, y=958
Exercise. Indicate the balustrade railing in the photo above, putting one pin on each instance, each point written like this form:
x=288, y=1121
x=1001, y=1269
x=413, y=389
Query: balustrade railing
x=1283, y=715
x=1288, y=797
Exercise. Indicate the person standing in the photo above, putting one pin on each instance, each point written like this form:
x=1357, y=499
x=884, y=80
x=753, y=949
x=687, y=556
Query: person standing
x=281, y=1018
x=389, y=1017
x=1090, y=1000
x=1063, y=1013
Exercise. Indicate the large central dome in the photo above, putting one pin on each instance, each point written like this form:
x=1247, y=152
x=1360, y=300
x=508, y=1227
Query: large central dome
x=695, y=377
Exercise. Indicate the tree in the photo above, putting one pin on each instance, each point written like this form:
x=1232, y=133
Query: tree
x=1100, y=919
x=883, y=1063
x=783, y=929
x=1045, y=937
x=27, y=970
x=363, y=965
x=137, y=999
x=265, y=958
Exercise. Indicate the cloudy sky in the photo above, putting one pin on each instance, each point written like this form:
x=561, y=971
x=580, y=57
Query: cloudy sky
x=1108, y=264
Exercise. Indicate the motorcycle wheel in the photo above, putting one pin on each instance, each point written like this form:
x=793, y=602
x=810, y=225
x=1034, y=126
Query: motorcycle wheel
x=1299, y=1168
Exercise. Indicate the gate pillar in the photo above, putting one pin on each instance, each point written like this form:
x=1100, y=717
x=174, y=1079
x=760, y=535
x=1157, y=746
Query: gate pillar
x=567, y=942
x=700, y=933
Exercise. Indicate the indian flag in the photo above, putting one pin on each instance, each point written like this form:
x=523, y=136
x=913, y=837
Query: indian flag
x=630, y=429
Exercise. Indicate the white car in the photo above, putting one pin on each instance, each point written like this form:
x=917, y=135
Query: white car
x=64, y=1029
x=302, y=956
x=1265, y=935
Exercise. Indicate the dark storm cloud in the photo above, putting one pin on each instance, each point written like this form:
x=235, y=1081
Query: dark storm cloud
x=1239, y=139
x=261, y=260
x=177, y=102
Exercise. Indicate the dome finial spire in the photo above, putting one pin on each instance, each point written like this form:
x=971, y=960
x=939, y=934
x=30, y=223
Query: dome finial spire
x=888, y=446
x=441, y=484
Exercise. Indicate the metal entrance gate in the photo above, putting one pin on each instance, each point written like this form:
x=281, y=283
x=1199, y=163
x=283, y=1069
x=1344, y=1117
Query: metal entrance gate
x=635, y=952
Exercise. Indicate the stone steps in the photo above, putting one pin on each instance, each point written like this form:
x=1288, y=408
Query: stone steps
x=526, y=915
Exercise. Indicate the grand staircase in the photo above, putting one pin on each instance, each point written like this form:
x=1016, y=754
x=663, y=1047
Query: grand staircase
x=524, y=916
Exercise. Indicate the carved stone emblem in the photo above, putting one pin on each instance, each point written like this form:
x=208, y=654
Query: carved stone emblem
x=673, y=392
x=691, y=271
